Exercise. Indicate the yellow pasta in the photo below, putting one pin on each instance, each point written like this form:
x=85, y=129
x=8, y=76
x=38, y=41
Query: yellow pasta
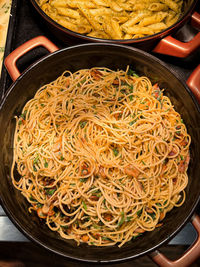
x=139, y=30
x=172, y=5
x=117, y=13
x=152, y=19
x=98, y=34
x=136, y=19
x=158, y=7
x=116, y=28
x=68, y=12
x=157, y=27
x=171, y=18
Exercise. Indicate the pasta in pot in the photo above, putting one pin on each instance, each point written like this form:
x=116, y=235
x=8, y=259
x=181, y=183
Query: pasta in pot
x=116, y=19
x=102, y=155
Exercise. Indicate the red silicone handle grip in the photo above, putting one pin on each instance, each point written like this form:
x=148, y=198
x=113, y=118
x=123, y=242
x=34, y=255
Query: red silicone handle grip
x=172, y=47
x=11, y=59
x=188, y=258
x=194, y=83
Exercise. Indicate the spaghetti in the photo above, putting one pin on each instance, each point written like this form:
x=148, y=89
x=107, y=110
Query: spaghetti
x=102, y=155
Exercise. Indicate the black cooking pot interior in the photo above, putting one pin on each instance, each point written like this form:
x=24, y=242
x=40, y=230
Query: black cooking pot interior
x=47, y=70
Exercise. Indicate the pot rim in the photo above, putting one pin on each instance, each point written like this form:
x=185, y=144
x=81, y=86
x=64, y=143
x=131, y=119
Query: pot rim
x=120, y=259
x=104, y=44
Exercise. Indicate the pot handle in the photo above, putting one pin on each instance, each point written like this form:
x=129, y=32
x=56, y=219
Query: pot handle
x=188, y=257
x=173, y=47
x=194, y=83
x=11, y=59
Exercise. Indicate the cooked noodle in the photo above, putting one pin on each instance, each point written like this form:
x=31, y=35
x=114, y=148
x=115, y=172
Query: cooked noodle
x=102, y=155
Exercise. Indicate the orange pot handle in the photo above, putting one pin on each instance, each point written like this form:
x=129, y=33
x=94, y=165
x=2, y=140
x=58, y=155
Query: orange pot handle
x=11, y=59
x=194, y=83
x=173, y=47
x=188, y=257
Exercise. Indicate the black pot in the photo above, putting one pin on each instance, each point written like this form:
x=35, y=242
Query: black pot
x=48, y=69
x=161, y=42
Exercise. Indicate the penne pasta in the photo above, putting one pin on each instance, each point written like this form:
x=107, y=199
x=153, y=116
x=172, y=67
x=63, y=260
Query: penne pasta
x=139, y=30
x=158, y=7
x=152, y=19
x=68, y=12
x=114, y=19
x=157, y=27
x=171, y=4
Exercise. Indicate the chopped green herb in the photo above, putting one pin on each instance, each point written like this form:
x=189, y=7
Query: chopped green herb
x=131, y=97
x=36, y=159
x=84, y=205
x=129, y=218
x=50, y=191
x=122, y=219
x=165, y=202
x=131, y=88
x=97, y=191
x=96, y=226
x=159, y=96
x=132, y=73
x=64, y=226
x=61, y=158
x=134, y=237
x=82, y=124
x=123, y=91
x=153, y=215
x=83, y=180
x=34, y=168
x=182, y=158
x=84, y=80
x=46, y=164
x=23, y=115
x=132, y=122
x=32, y=199
x=7, y=8
x=139, y=212
x=158, y=204
x=107, y=238
x=115, y=151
